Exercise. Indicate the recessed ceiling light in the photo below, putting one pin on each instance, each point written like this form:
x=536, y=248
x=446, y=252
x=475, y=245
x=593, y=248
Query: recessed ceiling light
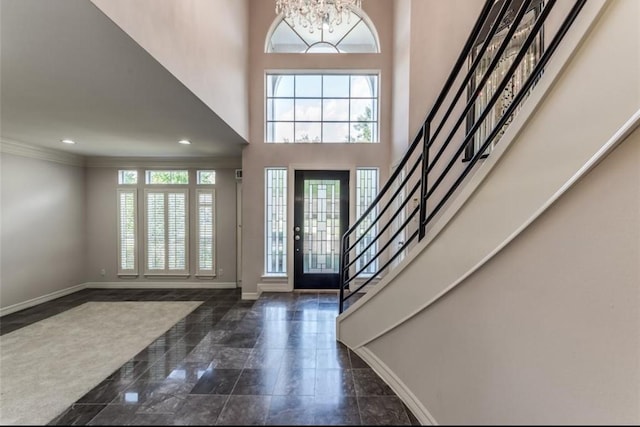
x=184, y=142
x=68, y=141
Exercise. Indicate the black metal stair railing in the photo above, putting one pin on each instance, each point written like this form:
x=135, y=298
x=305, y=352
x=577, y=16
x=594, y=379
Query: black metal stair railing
x=502, y=59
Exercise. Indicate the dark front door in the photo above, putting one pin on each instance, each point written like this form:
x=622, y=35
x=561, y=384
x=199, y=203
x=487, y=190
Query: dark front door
x=321, y=216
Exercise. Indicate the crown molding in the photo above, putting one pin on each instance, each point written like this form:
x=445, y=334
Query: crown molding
x=22, y=149
x=164, y=162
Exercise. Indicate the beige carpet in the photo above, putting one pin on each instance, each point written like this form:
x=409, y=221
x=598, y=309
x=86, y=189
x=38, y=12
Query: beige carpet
x=47, y=366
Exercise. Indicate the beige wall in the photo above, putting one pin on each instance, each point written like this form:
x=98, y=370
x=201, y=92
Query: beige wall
x=401, y=74
x=429, y=35
x=547, y=332
x=43, y=225
x=102, y=183
x=204, y=43
x=438, y=32
x=259, y=155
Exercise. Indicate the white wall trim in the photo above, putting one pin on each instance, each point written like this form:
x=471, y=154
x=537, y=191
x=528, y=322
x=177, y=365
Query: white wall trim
x=274, y=287
x=404, y=393
x=161, y=162
x=562, y=57
x=41, y=299
x=250, y=296
x=18, y=148
x=160, y=285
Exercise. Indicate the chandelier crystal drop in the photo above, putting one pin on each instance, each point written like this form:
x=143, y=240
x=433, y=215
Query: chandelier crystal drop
x=317, y=14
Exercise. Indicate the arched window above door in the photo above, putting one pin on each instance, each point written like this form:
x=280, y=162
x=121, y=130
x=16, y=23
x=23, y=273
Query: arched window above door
x=354, y=35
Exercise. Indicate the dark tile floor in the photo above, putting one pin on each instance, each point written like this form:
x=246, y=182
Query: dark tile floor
x=271, y=361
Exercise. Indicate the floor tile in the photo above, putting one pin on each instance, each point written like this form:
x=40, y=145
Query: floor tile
x=337, y=358
x=193, y=338
x=256, y=381
x=327, y=341
x=303, y=358
x=129, y=372
x=235, y=314
x=412, y=418
x=368, y=383
x=295, y=382
x=302, y=341
x=336, y=410
x=356, y=361
x=189, y=373
x=78, y=414
x=198, y=409
x=382, y=410
x=240, y=340
x=114, y=415
x=264, y=358
x=230, y=358
x=334, y=382
x=217, y=381
x=155, y=397
x=245, y=410
x=105, y=392
x=291, y=410
x=272, y=338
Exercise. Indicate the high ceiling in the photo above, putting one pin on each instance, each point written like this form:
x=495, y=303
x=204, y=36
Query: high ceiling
x=67, y=71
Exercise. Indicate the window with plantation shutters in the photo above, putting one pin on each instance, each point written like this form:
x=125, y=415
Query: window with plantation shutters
x=127, y=229
x=206, y=232
x=166, y=232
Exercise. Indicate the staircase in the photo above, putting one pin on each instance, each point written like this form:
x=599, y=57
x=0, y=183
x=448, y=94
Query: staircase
x=483, y=306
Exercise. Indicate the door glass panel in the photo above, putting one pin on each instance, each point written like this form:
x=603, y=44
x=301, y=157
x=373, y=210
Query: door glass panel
x=321, y=222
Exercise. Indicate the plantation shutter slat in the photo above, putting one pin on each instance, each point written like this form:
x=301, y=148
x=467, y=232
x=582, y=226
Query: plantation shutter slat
x=206, y=238
x=167, y=231
x=155, y=231
x=177, y=237
x=127, y=221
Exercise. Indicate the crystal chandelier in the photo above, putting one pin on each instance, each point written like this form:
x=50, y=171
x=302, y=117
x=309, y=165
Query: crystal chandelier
x=317, y=14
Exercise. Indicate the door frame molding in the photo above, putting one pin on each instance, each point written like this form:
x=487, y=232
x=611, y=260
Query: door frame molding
x=291, y=172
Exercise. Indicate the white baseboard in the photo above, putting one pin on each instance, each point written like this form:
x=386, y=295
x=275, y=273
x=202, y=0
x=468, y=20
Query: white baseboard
x=399, y=387
x=274, y=287
x=250, y=295
x=160, y=285
x=39, y=300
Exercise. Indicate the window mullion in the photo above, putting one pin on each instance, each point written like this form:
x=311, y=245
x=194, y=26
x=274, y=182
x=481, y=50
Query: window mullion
x=322, y=109
x=349, y=115
x=295, y=80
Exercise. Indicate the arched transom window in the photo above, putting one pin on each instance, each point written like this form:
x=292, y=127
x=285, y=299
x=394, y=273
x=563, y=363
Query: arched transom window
x=354, y=35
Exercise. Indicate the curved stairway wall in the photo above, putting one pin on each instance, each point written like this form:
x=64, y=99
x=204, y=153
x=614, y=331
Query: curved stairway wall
x=516, y=308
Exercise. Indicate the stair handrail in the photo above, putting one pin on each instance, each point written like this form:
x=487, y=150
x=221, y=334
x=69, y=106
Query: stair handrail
x=428, y=141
